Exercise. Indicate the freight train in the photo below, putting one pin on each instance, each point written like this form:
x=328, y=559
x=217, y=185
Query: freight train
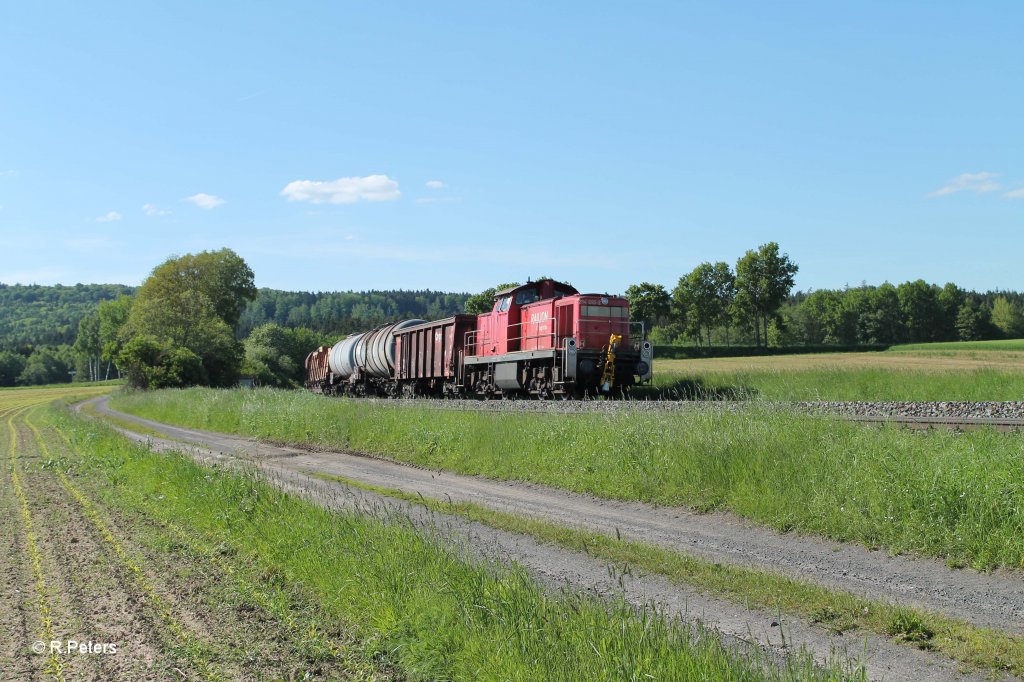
x=541, y=339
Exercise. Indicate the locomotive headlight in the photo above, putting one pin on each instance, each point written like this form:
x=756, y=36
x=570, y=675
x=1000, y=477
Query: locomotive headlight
x=643, y=367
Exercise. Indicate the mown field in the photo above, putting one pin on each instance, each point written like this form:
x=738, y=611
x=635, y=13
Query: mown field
x=213, y=574
x=942, y=494
x=982, y=370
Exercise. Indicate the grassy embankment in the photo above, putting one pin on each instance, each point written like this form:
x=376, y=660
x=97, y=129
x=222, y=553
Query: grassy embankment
x=956, y=496
x=408, y=602
x=983, y=370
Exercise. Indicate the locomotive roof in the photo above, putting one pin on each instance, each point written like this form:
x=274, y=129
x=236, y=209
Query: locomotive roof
x=560, y=285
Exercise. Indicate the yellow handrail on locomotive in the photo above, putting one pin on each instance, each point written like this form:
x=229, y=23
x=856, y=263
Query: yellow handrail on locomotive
x=608, y=376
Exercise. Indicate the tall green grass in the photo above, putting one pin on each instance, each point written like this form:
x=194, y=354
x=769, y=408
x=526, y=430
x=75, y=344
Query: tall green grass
x=412, y=601
x=838, y=383
x=958, y=496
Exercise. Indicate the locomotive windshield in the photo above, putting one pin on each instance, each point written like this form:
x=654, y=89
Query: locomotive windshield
x=526, y=296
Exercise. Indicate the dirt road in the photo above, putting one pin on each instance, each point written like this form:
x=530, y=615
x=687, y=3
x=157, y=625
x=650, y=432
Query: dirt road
x=995, y=600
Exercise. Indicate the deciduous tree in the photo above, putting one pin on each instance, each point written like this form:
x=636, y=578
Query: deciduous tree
x=648, y=303
x=764, y=279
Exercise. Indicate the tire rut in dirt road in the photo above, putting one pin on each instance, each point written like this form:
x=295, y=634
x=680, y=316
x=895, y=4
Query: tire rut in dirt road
x=563, y=568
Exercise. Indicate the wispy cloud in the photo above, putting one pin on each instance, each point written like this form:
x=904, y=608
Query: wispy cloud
x=435, y=184
x=979, y=183
x=206, y=201
x=1015, y=194
x=154, y=210
x=343, y=190
x=109, y=217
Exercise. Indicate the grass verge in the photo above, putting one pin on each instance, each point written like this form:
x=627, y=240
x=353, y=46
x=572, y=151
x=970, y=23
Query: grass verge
x=957, y=496
x=831, y=378
x=838, y=611
x=411, y=601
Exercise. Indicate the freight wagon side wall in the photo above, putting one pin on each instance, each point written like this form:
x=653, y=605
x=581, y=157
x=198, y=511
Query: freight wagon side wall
x=432, y=350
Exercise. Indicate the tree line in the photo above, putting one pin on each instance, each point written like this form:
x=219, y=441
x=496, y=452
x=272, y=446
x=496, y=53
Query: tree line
x=753, y=304
x=199, y=319
x=49, y=334
x=714, y=297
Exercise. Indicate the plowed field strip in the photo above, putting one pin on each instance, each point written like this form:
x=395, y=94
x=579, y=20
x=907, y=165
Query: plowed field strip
x=18, y=613
x=192, y=647
x=54, y=665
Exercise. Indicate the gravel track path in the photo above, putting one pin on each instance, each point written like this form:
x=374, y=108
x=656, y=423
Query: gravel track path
x=993, y=600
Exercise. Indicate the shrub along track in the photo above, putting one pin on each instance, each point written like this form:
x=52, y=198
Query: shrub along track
x=74, y=568
x=987, y=600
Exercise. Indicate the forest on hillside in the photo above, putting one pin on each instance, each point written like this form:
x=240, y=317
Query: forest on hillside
x=41, y=327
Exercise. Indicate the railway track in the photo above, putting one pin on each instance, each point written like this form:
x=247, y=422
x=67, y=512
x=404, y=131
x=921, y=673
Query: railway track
x=1003, y=416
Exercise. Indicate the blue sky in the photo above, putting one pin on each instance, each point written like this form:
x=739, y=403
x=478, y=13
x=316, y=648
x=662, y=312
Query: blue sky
x=454, y=145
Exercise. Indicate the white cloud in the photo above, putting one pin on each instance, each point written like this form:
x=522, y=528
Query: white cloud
x=435, y=184
x=154, y=210
x=109, y=217
x=979, y=183
x=343, y=190
x=1015, y=194
x=206, y=201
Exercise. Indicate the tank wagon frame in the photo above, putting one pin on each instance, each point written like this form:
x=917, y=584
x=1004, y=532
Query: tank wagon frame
x=541, y=339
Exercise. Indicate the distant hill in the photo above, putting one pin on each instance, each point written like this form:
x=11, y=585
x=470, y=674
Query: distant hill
x=34, y=315
x=345, y=312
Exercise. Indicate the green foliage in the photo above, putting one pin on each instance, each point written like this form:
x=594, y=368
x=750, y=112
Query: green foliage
x=188, y=304
x=704, y=298
x=11, y=367
x=46, y=366
x=346, y=312
x=275, y=355
x=971, y=321
x=1008, y=317
x=149, y=363
x=222, y=278
x=113, y=316
x=37, y=315
x=648, y=303
x=922, y=313
x=764, y=279
x=483, y=302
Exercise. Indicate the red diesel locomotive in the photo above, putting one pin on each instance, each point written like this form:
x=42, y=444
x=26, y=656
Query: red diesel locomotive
x=542, y=339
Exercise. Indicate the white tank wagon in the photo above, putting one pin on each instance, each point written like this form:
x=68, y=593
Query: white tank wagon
x=364, y=363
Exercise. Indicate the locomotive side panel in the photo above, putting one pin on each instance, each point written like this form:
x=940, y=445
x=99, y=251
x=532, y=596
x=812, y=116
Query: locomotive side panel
x=538, y=325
